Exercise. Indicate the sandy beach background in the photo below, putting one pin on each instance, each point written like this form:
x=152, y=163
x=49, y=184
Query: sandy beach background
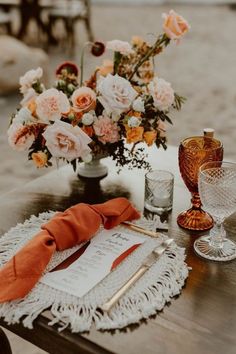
x=202, y=68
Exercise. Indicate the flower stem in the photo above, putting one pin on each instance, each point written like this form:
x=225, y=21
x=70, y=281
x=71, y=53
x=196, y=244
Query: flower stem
x=161, y=40
x=82, y=61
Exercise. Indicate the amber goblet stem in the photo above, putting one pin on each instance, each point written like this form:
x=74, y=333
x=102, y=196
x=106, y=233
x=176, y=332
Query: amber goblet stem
x=196, y=201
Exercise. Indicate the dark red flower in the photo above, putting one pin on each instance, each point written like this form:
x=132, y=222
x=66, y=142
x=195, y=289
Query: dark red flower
x=69, y=66
x=98, y=48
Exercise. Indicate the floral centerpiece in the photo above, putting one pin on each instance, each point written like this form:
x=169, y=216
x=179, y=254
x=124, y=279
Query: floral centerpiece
x=121, y=105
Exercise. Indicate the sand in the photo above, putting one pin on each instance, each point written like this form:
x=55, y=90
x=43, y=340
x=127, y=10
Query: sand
x=202, y=68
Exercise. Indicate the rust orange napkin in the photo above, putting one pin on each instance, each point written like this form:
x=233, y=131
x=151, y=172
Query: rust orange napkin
x=67, y=229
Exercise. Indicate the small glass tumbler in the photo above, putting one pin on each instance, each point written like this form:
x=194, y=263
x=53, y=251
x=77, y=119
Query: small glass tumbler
x=159, y=186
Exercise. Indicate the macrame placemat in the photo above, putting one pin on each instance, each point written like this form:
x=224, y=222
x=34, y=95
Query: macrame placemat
x=158, y=285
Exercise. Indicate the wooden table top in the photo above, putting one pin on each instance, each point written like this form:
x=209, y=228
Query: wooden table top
x=199, y=321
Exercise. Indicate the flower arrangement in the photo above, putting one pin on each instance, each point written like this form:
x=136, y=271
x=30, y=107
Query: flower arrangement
x=121, y=105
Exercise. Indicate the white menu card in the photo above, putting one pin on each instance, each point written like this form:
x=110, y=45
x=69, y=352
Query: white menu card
x=105, y=250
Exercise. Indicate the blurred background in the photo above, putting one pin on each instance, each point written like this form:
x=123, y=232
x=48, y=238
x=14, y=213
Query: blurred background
x=44, y=33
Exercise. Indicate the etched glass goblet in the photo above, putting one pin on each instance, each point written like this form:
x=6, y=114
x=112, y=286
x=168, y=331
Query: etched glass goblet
x=193, y=152
x=217, y=188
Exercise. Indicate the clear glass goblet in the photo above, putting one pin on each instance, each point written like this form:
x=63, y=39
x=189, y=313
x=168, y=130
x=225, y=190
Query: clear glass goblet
x=217, y=189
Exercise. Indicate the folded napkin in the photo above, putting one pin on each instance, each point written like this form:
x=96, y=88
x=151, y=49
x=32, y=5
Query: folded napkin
x=67, y=229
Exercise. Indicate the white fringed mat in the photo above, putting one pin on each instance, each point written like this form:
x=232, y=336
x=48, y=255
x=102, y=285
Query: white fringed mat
x=158, y=285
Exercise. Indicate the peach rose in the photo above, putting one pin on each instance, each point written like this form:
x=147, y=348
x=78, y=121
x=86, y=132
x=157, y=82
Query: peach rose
x=175, y=26
x=40, y=159
x=20, y=137
x=83, y=99
x=134, y=135
x=106, y=130
x=106, y=68
x=149, y=137
x=51, y=105
x=64, y=140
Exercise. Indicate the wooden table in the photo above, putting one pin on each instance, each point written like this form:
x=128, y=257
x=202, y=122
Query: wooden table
x=202, y=320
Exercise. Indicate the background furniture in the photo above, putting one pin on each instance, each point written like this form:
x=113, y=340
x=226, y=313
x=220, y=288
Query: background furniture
x=200, y=320
x=70, y=12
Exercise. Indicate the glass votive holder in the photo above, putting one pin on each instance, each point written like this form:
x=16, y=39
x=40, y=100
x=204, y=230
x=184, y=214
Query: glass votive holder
x=159, y=186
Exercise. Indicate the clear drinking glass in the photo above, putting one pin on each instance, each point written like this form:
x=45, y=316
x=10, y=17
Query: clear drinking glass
x=159, y=186
x=217, y=189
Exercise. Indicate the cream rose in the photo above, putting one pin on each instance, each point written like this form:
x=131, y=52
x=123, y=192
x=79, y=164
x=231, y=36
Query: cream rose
x=162, y=93
x=65, y=141
x=28, y=96
x=116, y=94
x=20, y=137
x=23, y=116
x=83, y=99
x=30, y=78
x=175, y=26
x=51, y=104
x=120, y=46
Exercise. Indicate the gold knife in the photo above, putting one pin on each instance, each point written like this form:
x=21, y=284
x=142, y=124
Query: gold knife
x=140, y=229
x=147, y=263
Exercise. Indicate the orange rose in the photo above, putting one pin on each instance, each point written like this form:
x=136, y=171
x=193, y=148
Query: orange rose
x=106, y=68
x=175, y=26
x=40, y=159
x=134, y=135
x=149, y=137
x=88, y=130
x=83, y=99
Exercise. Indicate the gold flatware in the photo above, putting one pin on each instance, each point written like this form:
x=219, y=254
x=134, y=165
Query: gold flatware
x=147, y=263
x=140, y=229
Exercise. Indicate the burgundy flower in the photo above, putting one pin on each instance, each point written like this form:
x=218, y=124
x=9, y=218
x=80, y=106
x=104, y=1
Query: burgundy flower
x=98, y=48
x=69, y=66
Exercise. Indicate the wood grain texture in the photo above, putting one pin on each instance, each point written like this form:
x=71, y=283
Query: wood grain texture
x=5, y=347
x=199, y=321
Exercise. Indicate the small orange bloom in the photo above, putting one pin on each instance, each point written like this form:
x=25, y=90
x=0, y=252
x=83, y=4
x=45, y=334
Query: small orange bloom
x=32, y=106
x=138, y=41
x=149, y=137
x=40, y=159
x=88, y=130
x=134, y=135
x=134, y=114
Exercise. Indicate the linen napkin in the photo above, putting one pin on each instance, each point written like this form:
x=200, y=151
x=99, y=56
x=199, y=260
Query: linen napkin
x=67, y=229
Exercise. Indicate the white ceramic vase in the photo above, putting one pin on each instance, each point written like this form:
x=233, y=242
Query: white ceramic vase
x=93, y=169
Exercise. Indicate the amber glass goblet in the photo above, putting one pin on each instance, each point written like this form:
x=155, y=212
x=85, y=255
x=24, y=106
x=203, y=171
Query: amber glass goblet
x=193, y=153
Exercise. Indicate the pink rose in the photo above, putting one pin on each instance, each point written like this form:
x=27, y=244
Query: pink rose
x=83, y=99
x=162, y=93
x=20, y=137
x=51, y=104
x=120, y=46
x=175, y=26
x=106, y=130
x=65, y=141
